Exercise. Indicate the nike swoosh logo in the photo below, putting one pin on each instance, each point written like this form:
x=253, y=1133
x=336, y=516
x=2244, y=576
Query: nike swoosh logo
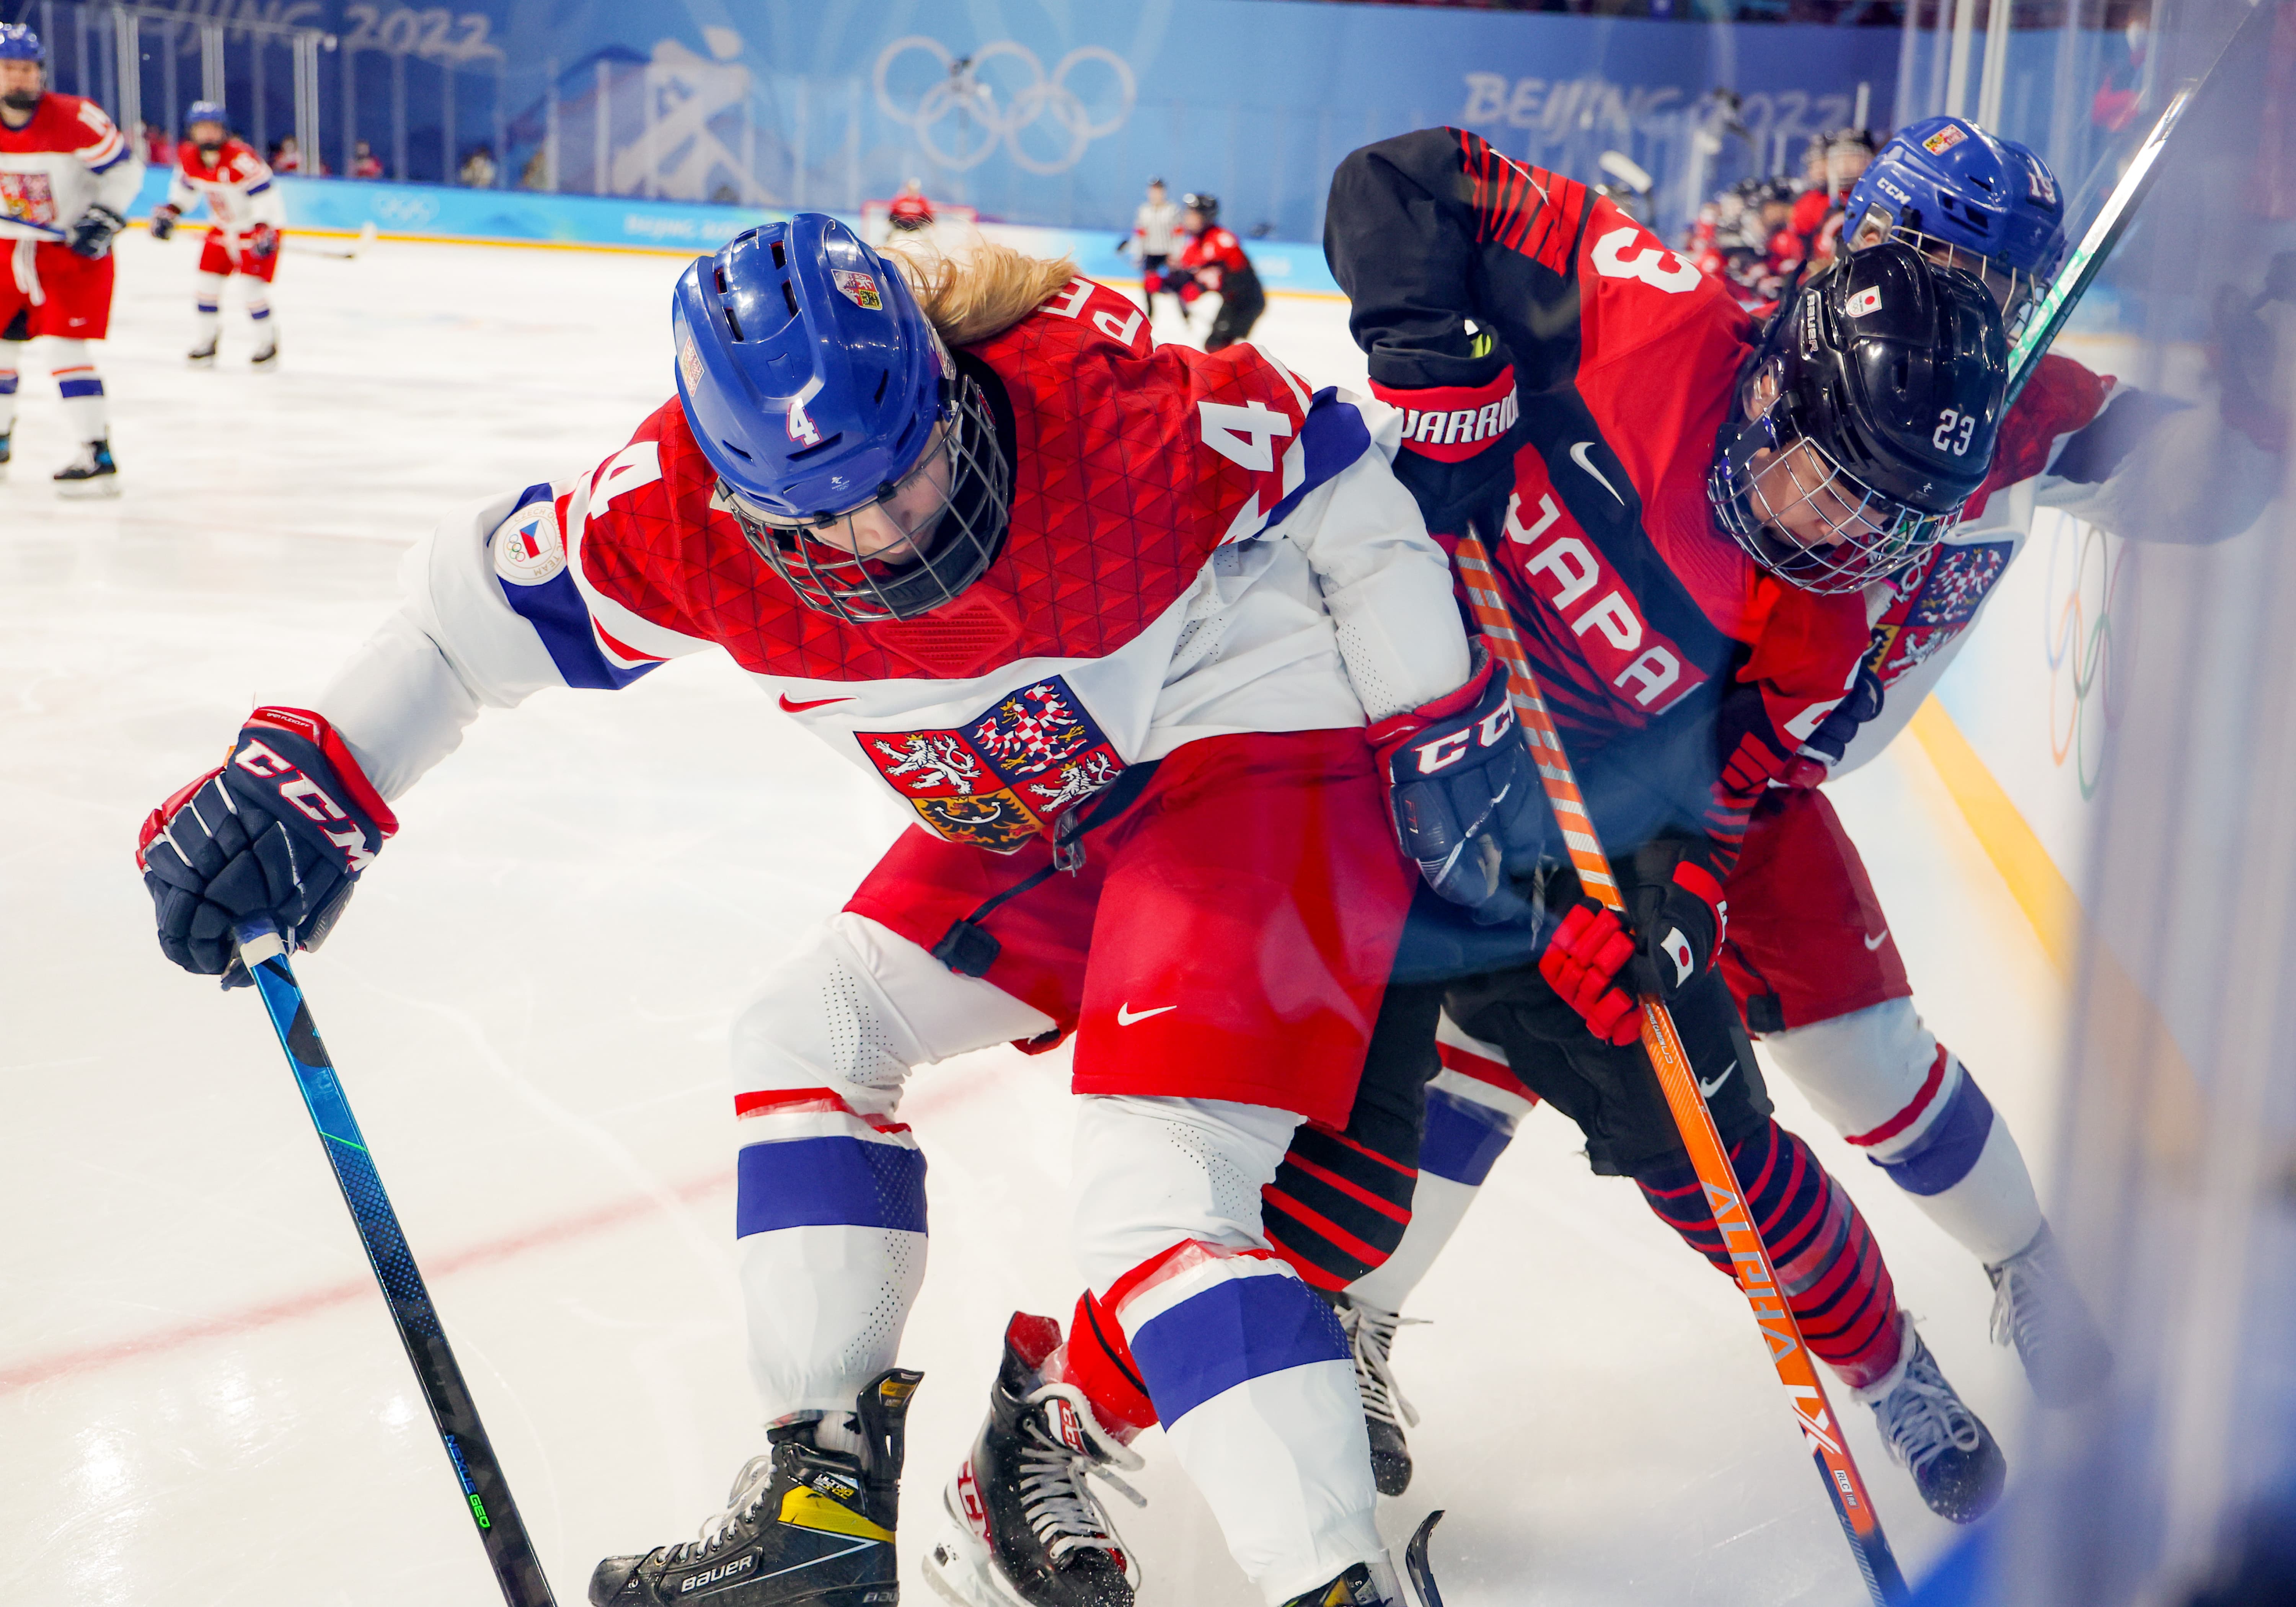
x=790, y=708
x=1578, y=456
x=1125, y=1015
x=1707, y=1088
x=1875, y=942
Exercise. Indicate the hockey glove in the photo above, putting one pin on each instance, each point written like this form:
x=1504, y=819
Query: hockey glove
x=262, y=239
x=1455, y=460
x=283, y=827
x=163, y=221
x=1677, y=928
x=1466, y=803
x=1815, y=761
x=91, y=236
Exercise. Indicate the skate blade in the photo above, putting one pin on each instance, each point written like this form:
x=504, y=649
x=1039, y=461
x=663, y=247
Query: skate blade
x=89, y=490
x=961, y=1570
x=205, y=361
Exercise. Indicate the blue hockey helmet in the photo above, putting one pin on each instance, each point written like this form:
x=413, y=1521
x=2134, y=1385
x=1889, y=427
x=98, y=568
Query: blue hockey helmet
x=861, y=465
x=206, y=112
x=19, y=42
x=1970, y=199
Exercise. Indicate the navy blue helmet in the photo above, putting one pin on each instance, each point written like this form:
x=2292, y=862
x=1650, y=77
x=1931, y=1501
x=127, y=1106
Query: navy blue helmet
x=206, y=112
x=1866, y=420
x=861, y=465
x=19, y=42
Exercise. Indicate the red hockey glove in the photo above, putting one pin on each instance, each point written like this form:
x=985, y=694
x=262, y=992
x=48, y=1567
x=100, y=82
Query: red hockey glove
x=262, y=239
x=283, y=827
x=163, y=221
x=1465, y=801
x=1581, y=962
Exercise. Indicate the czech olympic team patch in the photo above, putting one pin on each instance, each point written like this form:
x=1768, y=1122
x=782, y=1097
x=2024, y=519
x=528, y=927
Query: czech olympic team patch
x=859, y=288
x=1934, y=608
x=1944, y=140
x=1004, y=776
x=528, y=550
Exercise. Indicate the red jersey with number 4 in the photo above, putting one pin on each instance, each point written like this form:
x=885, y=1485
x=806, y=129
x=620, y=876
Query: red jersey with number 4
x=1130, y=609
x=1663, y=649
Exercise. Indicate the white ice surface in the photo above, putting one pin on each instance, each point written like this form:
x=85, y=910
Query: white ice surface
x=201, y=1400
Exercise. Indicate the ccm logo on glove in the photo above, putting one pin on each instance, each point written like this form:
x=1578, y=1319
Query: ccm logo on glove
x=300, y=792
x=1453, y=746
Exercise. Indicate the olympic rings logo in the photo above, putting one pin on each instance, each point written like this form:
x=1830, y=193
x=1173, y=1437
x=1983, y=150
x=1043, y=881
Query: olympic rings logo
x=1041, y=121
x=2091, y=575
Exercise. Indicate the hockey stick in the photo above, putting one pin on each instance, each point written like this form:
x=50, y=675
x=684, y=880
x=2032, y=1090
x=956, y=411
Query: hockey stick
x=2120, y=210
x=500, y=1531
x=366, y=238
x=1757, y=1277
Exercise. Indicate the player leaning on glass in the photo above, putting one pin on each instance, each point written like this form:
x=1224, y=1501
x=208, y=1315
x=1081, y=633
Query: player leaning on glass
x=1810, y=958
x=1109, y=621
x=1684, y=511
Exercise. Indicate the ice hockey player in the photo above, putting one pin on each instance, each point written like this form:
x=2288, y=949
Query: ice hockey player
x=217, y=166
x=1154, y=239
x=911, y=211
x=1084, y=606
x=67, y=179
x=1684, y=519
x=1212, y=259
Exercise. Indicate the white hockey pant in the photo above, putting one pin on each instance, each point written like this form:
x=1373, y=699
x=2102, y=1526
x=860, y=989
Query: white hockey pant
x=830, y=1218
x=77, y=380
x=1886, y=1084
x=208, y=301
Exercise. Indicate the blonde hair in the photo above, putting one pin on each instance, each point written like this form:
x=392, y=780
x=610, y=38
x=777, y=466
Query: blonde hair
x=982, y=292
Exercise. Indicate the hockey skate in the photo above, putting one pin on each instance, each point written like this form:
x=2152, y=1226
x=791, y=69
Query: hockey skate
x=203, y=355
x=803, y=1527
x=1024, y=1529
x=2037, y=1308
x=1381, y=1584
x=1370, y=1335
x=6, y=452
x=1953, y=1458
x=92, y=474
x=267, y=360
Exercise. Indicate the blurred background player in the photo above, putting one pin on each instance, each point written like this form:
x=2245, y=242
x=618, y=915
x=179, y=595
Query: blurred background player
x=1213, y=260
x=67, y=179
x=910, y=210
x=223, y=170
x=1156, y=235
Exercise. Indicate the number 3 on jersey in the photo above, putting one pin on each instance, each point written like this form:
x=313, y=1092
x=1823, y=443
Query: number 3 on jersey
x=1648, y=265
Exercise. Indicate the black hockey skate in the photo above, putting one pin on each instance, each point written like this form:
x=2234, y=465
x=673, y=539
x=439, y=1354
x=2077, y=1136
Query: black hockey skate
x=203, y=355
x=1951, y=1455
x=1024, y=1529
x=803, y=1527
x=2037, y=1308
x=92, y=474
x=267, y=361
x=1370, y=1335
x=1381, y=1583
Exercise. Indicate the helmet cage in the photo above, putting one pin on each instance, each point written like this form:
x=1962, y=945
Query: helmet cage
x=2019, y=292
x=952, y=540
x=1880, y=533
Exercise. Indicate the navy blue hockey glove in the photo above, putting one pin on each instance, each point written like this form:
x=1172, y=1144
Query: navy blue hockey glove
x=1815, y=759
x=1467, y=802
x=91, y=236
x=262, y=239
x=164, y=220
x=283, y=827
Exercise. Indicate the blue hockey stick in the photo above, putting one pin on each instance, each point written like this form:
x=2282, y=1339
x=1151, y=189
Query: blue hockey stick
x=473, y=1454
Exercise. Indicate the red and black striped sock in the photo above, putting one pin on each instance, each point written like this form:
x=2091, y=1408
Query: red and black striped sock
x=1337, y=1207
x=1828, y=1264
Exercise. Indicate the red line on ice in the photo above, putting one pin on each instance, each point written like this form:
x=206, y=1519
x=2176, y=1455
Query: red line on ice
x=91, y=1358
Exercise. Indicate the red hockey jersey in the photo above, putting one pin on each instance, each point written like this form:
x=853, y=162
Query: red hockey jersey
x=1197, y=546
x=1640, y=615
x=52, y=168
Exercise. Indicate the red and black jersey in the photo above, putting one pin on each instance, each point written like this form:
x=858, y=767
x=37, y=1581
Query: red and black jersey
x=1683, y=676
x=1213, y=255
